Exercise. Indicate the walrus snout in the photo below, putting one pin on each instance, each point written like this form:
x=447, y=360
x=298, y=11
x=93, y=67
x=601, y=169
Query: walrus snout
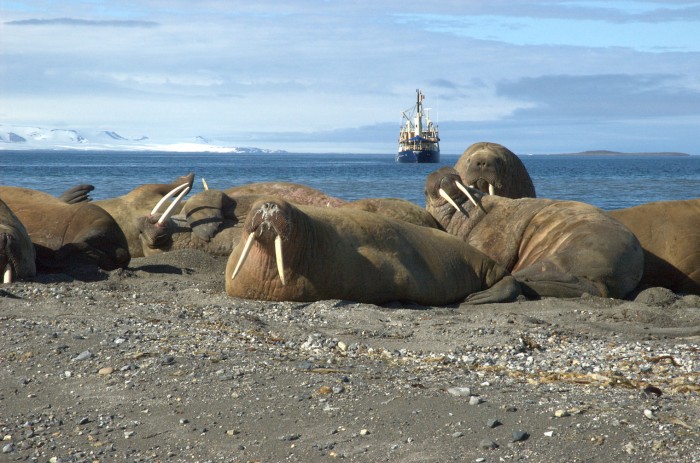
x=269, y=221
x=272, y=216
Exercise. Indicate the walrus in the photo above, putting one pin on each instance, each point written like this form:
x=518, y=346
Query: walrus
x=135, y=211
x=212, y=220
x=17, y=253
x=494, y=169
x=669, y=232
x=66, y=234
x=553, y=248
x=309, y=253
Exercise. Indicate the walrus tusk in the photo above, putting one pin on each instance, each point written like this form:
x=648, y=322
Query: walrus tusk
x=492, y=190
x=447, y=198
x=278, y=256
x=466, y=192
x=169, y=211
x=170, y=194
x=244, y=254
x=204, y=184
x=7, y=274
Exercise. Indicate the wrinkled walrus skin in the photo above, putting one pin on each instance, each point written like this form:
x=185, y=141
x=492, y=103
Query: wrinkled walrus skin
x=66, y=234
x=553, y=248
x=358, y=256
x=132, y=210
x=16, y=248
x=484, y=164
x=669, y=232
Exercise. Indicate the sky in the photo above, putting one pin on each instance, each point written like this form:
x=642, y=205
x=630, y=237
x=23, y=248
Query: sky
x=334, y=76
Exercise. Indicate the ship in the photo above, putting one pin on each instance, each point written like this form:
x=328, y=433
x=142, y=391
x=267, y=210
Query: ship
x=418, y=138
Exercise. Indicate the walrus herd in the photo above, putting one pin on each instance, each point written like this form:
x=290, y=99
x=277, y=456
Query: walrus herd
x=482, y=237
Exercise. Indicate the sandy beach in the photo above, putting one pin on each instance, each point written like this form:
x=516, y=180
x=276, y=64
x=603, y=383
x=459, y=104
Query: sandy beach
x=155, y=363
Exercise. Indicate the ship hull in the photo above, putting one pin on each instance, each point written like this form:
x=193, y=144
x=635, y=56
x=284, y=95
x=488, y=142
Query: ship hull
x=420, y=156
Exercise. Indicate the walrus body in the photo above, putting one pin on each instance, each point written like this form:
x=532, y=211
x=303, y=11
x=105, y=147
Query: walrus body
x=65, y=234
x=553, y=248
x=328, y=253
x=132, y=210
x=669, y=232
x=17, y=254
x=494, y=169
x=294, y=192
x=399, y=209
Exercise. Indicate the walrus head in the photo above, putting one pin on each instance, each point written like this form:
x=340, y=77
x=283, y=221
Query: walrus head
x=495, y=170
x=444, y=186
x=154, y=229
x=268, y=223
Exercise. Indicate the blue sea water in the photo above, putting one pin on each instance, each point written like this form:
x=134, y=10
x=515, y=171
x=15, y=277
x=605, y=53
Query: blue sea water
x=608, y=182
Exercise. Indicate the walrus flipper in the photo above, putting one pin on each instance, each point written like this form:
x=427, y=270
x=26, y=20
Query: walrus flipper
x=506, y=290
x=76, y=194
x=205, y=213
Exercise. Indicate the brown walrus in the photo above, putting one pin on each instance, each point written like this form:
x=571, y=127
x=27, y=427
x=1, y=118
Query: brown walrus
x=65, y=234
x=212, y=220
x=553, y=248
x=494, y=169
x=135, y=211
x=17, y=254
x=307, y=253
x=669, y=232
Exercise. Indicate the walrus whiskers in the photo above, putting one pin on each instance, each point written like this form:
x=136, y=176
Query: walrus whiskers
x=466, y=192
x=170, y=194
x=169, y=211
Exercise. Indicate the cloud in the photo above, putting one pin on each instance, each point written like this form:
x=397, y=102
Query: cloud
x=604, y=97
x=83, y=22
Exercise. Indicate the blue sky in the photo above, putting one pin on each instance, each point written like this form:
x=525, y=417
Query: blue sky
x=535, y=76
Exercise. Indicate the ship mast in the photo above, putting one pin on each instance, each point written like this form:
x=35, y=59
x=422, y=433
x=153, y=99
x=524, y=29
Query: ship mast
x=419, y=113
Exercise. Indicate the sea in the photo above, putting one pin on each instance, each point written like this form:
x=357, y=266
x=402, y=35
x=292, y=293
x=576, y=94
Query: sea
x=609, y=182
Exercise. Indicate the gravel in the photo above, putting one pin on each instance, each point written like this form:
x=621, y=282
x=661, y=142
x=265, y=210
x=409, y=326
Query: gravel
x=156, y=363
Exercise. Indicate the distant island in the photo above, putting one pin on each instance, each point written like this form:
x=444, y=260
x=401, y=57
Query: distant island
x=616, y=153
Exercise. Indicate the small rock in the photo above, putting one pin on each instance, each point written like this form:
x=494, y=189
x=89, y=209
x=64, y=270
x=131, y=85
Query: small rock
x=488, y=444
x=561, y=413
x=290, y=437
x=475, y=400
x=128, y=434
x=105, y=371
x=85, y=355
x=364, y=432
x=520, y=436
x=493, y=422
x=8, y=448
x=460, y=391
x=83, y=420
x=168, y=360
x=549, y=433
x=649, y=414
x=457, y=434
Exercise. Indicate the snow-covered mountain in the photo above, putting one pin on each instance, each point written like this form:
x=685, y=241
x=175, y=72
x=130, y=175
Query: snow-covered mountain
x=39, y=138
